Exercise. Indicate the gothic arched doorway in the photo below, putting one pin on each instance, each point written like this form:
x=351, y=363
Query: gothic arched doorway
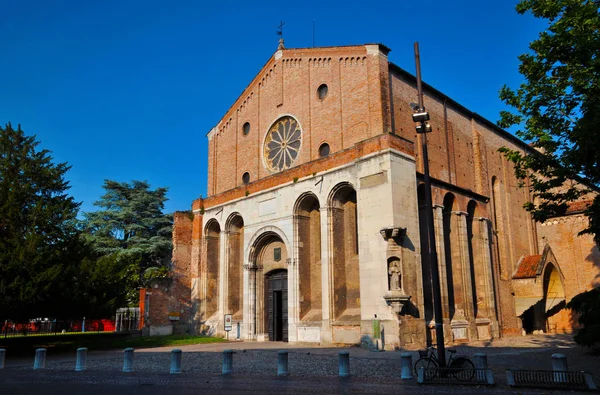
x=276, y=305
x=268, y=286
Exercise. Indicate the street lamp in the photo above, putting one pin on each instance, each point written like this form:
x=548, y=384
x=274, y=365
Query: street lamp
x=421, y=118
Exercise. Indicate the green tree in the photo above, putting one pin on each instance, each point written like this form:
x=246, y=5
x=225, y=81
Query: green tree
x=557, y=109
x=587, y=305
x=39, y=241
x=132, y=227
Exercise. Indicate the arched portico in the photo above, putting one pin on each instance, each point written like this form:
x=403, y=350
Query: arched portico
x=266, y=276
x=539, y=291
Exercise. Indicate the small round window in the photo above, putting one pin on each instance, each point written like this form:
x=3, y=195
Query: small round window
x=322, y=91
x=246, y=128
x=246, y=178
x=324, y=150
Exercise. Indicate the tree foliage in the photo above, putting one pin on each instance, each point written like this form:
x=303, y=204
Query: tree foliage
x=131, y=227
x=557, y=109
x=587, y=305
x=39, y=242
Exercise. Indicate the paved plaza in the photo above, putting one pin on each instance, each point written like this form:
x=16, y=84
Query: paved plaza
x=312, y=369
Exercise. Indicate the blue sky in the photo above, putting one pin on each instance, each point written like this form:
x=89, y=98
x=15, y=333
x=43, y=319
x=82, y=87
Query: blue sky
x=127, y=90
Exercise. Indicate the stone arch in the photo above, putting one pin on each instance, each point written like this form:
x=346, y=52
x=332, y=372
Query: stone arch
x=554, y=288
x=259, y=236
x=343, y=228
x=335, y=190
x=307, y=223
x=234, y=227
x=212, y=237
x=264, y=259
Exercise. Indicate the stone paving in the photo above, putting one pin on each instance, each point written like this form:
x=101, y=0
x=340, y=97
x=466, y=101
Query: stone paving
x=254, y=366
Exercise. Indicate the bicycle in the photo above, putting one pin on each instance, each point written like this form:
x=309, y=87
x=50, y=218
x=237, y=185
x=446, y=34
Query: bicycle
x=460, y=367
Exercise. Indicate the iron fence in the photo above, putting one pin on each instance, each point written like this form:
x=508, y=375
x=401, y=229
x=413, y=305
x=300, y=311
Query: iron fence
x=46, y=327
x=461, y=376
x=128, y=319
x=550, y=379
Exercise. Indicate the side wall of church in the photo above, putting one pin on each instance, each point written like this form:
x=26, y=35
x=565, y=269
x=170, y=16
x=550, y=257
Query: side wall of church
x=350, y=112
x=463, y=152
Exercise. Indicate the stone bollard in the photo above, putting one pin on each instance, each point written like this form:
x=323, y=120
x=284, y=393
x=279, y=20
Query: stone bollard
x=406, y=364
x=81, y=359
x=128, y=360
x=175, y=361
x=282, y=363
x=227, y=362
x=559, y=365
x=480, y=361
x=40, y=359
x=2, y=357
x=344, y=364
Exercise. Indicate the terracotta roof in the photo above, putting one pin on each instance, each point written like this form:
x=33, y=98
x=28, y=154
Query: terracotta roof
x=528, y=266
x=577, y=207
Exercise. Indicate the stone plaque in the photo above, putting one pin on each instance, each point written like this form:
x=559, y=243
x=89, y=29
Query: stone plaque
x=373, y=180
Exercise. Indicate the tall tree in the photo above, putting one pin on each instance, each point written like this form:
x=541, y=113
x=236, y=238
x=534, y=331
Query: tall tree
x=132, y=226
x=39, y=242
x=557, y=109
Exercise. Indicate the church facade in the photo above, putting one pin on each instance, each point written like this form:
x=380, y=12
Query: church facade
x=313, y=227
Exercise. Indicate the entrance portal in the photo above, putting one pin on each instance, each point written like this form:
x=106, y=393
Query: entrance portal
x=276, y=301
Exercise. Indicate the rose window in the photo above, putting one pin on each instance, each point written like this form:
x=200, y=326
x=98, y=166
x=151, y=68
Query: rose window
x=282, y=144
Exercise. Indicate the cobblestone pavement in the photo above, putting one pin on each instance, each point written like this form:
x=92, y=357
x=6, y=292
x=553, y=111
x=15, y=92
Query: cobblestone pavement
x=312, y=369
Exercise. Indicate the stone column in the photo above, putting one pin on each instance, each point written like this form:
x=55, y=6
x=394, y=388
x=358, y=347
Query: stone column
x=249, y=302
x=260, y=302
x=486, y=260
x=464, y=301
x=293, y=292
x=326, y=278
x=223, y=306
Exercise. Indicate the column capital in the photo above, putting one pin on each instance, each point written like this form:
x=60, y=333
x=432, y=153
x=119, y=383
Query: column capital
x=459, y=213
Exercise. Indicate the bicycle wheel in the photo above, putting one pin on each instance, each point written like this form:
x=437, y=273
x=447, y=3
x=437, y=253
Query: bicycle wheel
x=429, y=365
x=462, y=368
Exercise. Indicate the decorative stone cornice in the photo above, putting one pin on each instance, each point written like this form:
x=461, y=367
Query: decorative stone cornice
x=396, y=300
x=392, y=233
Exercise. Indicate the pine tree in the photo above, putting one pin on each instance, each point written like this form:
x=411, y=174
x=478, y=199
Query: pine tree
x=39, y=242
x=132, y=226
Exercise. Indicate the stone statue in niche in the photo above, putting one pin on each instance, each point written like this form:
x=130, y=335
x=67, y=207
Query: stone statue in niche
x=395, y=275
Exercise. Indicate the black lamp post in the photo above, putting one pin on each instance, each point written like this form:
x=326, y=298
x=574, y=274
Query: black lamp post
x=421, y=118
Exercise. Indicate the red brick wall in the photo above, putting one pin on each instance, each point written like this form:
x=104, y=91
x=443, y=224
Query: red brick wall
x=352, y=111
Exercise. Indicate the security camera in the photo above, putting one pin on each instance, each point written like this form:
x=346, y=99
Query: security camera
x=422, y=116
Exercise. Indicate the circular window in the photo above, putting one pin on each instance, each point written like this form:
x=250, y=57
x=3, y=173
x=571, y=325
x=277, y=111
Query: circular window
x=324, y=150
x=246, y=128
x=246, y=178
x=282, y=144
x=322, y=91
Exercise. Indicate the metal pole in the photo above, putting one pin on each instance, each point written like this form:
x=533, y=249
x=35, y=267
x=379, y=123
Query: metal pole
x=433, y=259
